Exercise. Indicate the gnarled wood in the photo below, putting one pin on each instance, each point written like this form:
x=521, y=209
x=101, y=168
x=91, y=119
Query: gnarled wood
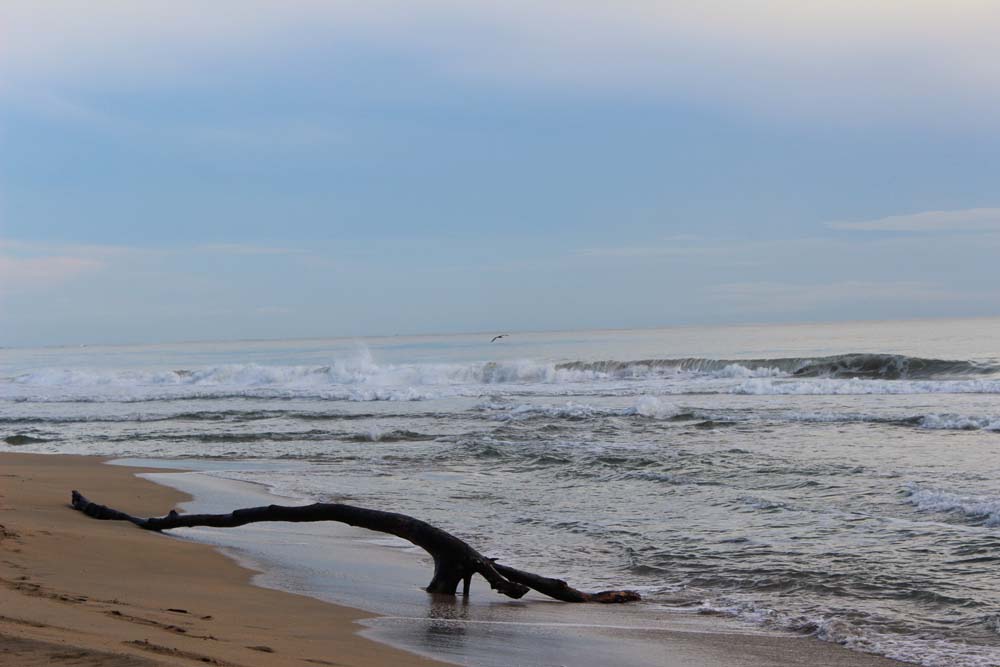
x=454, y=560
x=560, y=590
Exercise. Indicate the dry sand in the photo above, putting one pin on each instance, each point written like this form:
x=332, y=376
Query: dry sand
x=75, y=591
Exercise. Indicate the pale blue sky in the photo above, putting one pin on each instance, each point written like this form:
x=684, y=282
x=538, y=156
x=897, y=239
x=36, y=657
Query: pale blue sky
x=183, y=170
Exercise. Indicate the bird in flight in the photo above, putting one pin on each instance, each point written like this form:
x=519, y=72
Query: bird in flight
x=498, y=337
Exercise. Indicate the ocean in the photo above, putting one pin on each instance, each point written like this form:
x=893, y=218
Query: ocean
x=838, y=481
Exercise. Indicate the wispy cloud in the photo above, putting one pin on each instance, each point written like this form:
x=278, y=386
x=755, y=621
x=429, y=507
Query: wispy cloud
x=52, y=247
x=27, y=249
x=965, y=220
x=782, y=297
x=19, y=273
x=29, y=265
x=279, y=135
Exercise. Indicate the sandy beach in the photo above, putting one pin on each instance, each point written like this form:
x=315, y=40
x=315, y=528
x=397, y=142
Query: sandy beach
x=688, y=306
x=83, y=592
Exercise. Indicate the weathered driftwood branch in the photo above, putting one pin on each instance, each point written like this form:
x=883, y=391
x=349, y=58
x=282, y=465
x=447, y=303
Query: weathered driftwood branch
x=454, y=560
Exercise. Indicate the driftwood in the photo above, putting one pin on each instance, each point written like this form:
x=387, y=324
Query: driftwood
x=454, y=560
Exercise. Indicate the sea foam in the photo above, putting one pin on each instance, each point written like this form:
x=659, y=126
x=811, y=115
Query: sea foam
x=980, y=510
x=360, y=378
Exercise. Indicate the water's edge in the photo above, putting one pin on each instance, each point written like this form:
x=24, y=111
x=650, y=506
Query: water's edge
x=382, y=575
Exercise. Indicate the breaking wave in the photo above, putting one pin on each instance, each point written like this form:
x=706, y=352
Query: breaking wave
x=648, y=406
x=655, y=408
x=976, y=510
x=376, y=434
x=201, y=416
x=19, y=439
x=859, y=365
x=361, y=379
x=959, y=422
x=821, y=387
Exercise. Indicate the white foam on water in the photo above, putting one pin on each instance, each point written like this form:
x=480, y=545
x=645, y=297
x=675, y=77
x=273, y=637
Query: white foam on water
x=652, y=407
x=358, y=371
x=655, y=408
x=739, y=371
x=418, y=382
x=375, y=433
x=981, y=509
x=959, y=422
x=611, y=507
x=856, y=386
x=931, y=421
x=927, y=652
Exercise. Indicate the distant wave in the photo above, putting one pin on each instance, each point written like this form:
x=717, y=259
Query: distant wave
x=860, y=365
x=203, y=415
x=376, y=434
x=363, y=380
x=855, y=386
x=18, y=440
x=355, y=372
x=648, y=406
x=655, y=408
x=959, y=422
x=240, y=437
x=934, y=421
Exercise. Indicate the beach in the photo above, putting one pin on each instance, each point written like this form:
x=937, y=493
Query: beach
x=684, y=313
x=82, y=592
x=794, y=488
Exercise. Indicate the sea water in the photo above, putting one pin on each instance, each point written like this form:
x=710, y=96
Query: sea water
x=834, y=480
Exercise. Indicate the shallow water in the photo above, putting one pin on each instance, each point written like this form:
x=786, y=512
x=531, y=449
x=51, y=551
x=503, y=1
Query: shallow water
x=832, y=480
x=384, y=575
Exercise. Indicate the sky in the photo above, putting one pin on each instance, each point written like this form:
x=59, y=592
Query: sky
x=181, y=170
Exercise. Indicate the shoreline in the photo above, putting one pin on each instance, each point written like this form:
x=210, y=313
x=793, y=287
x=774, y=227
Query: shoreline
x=84, y=592
x=47, y=546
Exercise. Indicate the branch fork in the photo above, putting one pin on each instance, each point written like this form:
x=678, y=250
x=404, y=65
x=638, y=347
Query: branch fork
x=455, y=561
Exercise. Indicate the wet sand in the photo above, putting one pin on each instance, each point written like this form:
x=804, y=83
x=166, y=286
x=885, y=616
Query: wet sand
x=83, y=592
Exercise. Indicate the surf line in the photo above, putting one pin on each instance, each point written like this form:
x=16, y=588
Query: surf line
x=426, y=619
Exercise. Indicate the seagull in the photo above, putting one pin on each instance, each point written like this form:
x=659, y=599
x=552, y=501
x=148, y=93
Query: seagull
x=498, y=337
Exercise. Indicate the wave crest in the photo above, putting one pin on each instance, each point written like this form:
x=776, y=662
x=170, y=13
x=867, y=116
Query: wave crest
x=361, y=379
x=855, y=365
x=977, y=510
